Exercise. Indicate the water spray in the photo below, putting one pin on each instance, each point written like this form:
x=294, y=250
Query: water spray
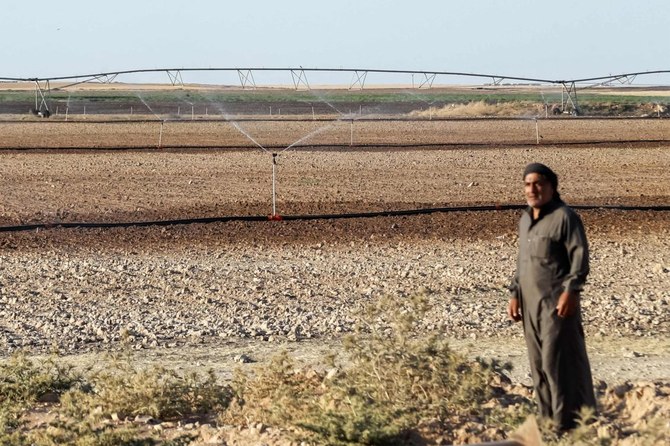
x=275, y=216
x=310, y=135
x=148, y=106
x=238, y=127
x=546, y=105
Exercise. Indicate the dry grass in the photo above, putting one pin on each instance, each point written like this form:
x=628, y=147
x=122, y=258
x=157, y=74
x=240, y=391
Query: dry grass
x=484, y=109
x=398, y=385
x=123, y=391
x=97, y=410
x=394, y=387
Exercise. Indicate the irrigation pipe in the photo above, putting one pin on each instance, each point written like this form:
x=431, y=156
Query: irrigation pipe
x=307, y=217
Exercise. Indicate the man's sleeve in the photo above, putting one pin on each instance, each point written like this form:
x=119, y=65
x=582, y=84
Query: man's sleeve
x=514, y=283
x=514, y=287
x=577, y=250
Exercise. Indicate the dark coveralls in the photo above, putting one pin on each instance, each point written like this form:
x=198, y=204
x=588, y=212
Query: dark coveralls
x=553, y=257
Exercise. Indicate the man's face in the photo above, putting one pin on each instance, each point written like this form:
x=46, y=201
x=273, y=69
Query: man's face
x=538, y=189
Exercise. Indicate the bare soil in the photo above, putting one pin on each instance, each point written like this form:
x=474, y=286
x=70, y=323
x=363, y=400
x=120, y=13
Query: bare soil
x=54, y=186
x=346, y=132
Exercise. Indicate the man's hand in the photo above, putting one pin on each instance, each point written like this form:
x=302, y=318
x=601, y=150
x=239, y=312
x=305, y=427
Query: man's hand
x=568, y=302
x=514, y=309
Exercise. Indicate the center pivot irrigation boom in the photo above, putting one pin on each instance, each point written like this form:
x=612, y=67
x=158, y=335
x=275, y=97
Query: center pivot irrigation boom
x=419, y=79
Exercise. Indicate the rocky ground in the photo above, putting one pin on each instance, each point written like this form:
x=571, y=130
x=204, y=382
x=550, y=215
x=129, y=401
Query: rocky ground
x=231, y=294
x=209, y=285
x=163, y=287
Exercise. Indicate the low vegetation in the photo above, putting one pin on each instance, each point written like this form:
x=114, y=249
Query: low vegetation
x=485, y=109
x=391, y=386
x=394, y=386
x=445, y=102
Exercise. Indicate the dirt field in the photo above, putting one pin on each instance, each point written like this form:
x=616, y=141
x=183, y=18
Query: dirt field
x=201, y=295
x=342, y=133
x=52, y=187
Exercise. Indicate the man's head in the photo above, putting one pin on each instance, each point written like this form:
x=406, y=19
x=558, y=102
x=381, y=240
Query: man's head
x=540, y=185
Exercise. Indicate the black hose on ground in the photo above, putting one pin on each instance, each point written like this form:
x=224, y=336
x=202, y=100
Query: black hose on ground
x=251, y=218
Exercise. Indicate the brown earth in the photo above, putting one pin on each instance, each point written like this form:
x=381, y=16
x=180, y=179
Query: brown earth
x=341, y=133
x=53, y=186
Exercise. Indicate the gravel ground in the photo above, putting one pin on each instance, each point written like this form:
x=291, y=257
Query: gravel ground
x=230, y=295
x=239, y=283
x=212, y=286
x=222, y=294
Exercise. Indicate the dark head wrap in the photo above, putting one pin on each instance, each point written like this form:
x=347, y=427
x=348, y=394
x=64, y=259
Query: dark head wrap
x=547, y=173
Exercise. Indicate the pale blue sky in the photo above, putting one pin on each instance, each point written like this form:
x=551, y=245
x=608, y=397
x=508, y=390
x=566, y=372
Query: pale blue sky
x=524, y=38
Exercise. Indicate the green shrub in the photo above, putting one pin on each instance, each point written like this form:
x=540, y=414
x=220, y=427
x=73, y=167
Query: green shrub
x=123, y=390
x=23, y=381
x=393, y=383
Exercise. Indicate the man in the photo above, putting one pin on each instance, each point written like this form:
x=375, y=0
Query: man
x=551, y=270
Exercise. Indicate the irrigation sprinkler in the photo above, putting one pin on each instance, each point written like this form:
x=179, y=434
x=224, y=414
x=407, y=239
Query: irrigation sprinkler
x=537, y=131
x=274, y=182
x=274, y=216
x=160, y=136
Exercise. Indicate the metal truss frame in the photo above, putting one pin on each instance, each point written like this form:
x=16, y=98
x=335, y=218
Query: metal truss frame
x=41, y=94
x=358, y=78
x=427, y=82
x=175, y=77
x=624, y=79
x=299, y=78
x=247, y=78
x=569, y=98
x=105, y=78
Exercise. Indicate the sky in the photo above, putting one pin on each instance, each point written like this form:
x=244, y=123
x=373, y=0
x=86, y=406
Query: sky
x=542, y=39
